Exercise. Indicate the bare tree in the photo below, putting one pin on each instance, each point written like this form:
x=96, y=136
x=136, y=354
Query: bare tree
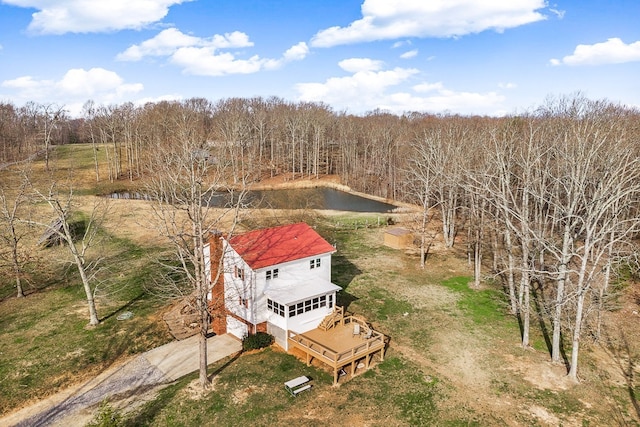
x=186, y=177
x=12, y=229
x=608, y=219
x=516, y=188
x=50, y=116
x=421, y=186
x=452, y=135
x=89, y=113
x=77, y=235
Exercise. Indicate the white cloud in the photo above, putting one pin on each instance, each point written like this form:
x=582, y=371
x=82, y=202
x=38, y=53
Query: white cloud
x=409, y=54
x=613, y=51
x=203, y=56
x=507, y=85
x=206, y=62
x=296, y=52
x=370, y=87
x=168, y=41
x=354, y=65
x=401, y=43
x=74, y=88
x=82, y=83
x=446, y=101
x=169, y=97
x=361, y=90
x=428, y=87
x=28, y=87
x=393, y=19
x=87, y=16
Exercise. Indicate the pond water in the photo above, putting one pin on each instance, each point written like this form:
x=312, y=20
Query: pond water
x=299, y=198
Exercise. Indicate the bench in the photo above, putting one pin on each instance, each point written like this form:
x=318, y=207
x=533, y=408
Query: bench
x=297, y=385
x=301, y=389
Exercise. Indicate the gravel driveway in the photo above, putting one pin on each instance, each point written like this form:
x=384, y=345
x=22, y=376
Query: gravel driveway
x=136, y=377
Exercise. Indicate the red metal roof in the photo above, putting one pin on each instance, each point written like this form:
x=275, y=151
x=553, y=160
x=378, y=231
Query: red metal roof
x=272, y=246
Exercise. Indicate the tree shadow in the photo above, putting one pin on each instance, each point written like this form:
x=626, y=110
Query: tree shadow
x=537, y=291
x=226, y=364
x=620, y=352
x=123, y=307
x=152, y=410
x=343, y=272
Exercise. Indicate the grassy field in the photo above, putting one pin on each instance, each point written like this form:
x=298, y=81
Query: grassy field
x=453, y=357
x=44, y=339
x=46, y=344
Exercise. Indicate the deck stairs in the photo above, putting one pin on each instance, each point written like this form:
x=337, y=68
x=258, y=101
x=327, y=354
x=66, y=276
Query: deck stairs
x=332, y=319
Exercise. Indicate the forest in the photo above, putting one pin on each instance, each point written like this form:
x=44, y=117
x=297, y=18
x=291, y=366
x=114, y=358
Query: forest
x=545, y=202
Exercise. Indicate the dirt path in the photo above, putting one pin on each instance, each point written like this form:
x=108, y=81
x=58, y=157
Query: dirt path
x=132, y=382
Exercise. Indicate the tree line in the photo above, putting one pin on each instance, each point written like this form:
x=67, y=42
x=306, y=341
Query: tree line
x=545, y=201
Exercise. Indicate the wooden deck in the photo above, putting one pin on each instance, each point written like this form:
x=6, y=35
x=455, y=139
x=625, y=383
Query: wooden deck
x=339, y=347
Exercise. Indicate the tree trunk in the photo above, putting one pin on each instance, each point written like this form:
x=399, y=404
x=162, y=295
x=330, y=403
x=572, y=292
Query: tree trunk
x=557, y=313
x=477, y=260
x=575, y=347
x=202, y=343
x=510, y=271
x=18, y=272
x=93, y=313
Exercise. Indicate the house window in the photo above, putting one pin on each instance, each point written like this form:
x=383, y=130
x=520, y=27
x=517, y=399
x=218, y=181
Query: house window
x=308, y=305
x=243, y=302
x=314, y=263
x=238, y=272
x=272, y=274
x=275, y=307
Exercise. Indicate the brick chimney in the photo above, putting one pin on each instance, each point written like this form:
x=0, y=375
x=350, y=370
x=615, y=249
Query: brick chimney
x=216, y=304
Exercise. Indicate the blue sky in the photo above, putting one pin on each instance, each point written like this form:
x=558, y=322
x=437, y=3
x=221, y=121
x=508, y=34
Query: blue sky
x=459, y=56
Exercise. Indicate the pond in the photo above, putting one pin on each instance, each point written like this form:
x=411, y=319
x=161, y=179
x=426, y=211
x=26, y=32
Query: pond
x=299, y=198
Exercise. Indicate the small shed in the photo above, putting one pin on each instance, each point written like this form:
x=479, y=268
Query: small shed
x=398, y=238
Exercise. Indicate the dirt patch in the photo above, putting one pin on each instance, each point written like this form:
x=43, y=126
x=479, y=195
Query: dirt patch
x=289, y=180
x=539, y=374
x=542, y=415
x=240, y=396
x=194, y=391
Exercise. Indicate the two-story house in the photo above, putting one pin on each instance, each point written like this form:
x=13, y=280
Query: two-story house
x=273, y=280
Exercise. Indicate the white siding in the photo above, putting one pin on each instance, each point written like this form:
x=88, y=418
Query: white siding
x=252, y=289
x=239, y=293
x=310, y=320
x=237, y=328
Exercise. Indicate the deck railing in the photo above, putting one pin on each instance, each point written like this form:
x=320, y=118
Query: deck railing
x=373, y=343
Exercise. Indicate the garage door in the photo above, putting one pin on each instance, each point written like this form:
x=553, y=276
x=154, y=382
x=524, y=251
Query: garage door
x=279, y=334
